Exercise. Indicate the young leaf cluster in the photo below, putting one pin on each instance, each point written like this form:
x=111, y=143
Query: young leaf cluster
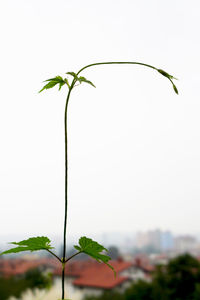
x=80, y=79
x=58, y=80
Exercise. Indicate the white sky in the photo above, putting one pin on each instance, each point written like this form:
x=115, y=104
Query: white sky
x=134, y=146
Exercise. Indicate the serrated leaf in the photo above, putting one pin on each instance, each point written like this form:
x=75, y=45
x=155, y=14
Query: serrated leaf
x=56, y=79
x=83, y=79
x=52, y=82
x=93, y=249
x=31, y=244
x=73, y=74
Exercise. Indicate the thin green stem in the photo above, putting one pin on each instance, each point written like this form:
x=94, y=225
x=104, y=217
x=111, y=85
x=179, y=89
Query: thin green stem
x=116, y=62
x=72, y=256
x=54, y=255
x=66, y=187
x=63, y=280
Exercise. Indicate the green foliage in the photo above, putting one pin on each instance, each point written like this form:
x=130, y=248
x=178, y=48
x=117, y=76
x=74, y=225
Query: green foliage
x=80, y=79
x=11, y=287
x=35, y=278
x=93, y=249
x=139, y=291
x=31, y=244
x=15, y=286
x=178, y=279
x=62, y=81
x=107, y=295
x=54, y=81
x=197, y=292
x=83, y=79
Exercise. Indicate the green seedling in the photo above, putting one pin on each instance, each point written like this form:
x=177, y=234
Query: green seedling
x=86, y=245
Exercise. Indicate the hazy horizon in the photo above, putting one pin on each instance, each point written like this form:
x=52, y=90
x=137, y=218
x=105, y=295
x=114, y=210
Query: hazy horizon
x=134, y=145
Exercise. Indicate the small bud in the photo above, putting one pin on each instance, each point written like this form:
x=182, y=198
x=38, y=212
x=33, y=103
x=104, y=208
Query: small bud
x=164, y=73
x=175, y=89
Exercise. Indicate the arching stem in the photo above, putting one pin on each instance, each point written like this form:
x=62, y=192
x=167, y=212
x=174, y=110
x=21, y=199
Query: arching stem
x=64, y=260
x=116, y=63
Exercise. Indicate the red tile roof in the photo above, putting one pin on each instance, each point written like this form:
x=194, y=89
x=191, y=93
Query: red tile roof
x=100, y=276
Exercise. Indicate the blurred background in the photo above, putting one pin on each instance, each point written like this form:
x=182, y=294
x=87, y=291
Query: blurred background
x=134, y=145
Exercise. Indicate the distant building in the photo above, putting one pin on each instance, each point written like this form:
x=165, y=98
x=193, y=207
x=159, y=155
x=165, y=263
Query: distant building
x=149, y=239
x=185, y=243
x=167, y=241
x=157, y=240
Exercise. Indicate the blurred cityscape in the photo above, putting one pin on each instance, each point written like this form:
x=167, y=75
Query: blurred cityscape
x=134, y=257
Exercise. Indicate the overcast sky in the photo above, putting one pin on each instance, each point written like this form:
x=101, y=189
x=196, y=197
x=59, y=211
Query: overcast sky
x=134, y=145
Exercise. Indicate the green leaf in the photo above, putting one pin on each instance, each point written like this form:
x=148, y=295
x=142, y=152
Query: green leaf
x=56, y=79
x=83, y=79
x=73, y=74
x=52, y=82
x=60, y=85
x=93, y=249
x=31, y=244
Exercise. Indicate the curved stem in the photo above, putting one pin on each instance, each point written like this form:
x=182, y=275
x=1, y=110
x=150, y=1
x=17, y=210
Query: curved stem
x=116, y=62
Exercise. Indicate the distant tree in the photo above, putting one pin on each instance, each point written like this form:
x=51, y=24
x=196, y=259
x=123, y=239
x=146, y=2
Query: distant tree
x=108, y=295
x=178, y=280
x=197, y=292
x=141, y=290
x=15, y=286
x=37, y=279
